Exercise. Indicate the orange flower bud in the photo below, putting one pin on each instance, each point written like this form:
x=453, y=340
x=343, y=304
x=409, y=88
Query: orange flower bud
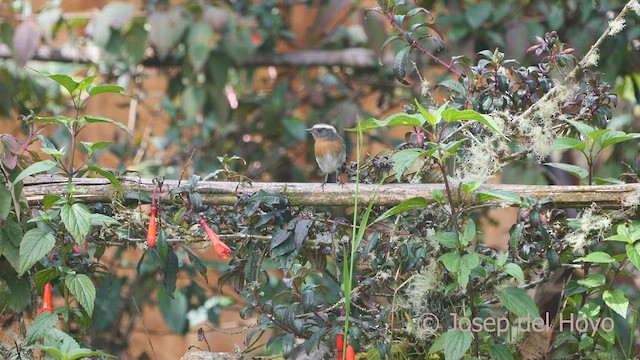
x=46, y=300
x=151, y=232
x=351, y=353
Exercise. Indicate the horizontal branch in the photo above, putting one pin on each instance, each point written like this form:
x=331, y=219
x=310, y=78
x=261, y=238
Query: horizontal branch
x=98, y=190
x=351, y=57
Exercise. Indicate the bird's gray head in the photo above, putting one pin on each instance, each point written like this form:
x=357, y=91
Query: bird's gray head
x=323, y=131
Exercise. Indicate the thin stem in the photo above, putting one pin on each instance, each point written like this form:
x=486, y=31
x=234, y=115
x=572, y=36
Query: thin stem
x=454, y=213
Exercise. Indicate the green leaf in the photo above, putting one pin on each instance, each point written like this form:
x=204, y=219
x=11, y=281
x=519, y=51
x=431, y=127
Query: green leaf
x=66, y=81
x=626, y=233
x=470, y=186
x=451, y=261
x=614, y=137
x=452, y=115
x=44, y=276
x=469, y=232
x=592, y=281
x=507, y=196
x=109, y=175
x=518, y=302
x=500, y=352
x=101, y=89
x=403, y=159
x=102, y=119
x=5, y=201
x=42, y=325
x=467, y=263
x=476, y=14
x=87, y=353
x=35, y=168
x=514, y=270
x=584, y=129
x=633, y=253
x=19, y=294
x=446, y=239
x=200, y=42
x=398, y=119
x=565, y=143
x=400, y=64
x=410, y=204
x=454, y=86
x=574, y=170
x=35, y=244
x=427, y=115
x=196, y=262
x=83, y=289
x=174, y=311
x=597, y=257
x=92, y=147
x=617, y=301
x=77, y=220
x=456, y=344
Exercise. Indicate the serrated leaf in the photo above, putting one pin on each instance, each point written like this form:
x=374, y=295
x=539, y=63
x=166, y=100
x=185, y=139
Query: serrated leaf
x=42, y=325
x=469, y=232
x=633, y=253
x=77, y=221
x=456, y=344
x=500, y=352
x=102, y=119
x=82, y=288
x=19, y=294
x=592, y=281
x=451, y=261
x=614, y=137
x=518, y=302
x=597, y=257
x=403, y=159
x=574, y=170
x=468, y=262
x=470, y=186
x=400, y=64
x=35, y=244
x=446, y=239
x=617, y=301
x=514, y=270
x=410, y=204
x=35, y=168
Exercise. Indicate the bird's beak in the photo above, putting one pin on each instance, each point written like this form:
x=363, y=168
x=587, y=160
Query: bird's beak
x=309, y=130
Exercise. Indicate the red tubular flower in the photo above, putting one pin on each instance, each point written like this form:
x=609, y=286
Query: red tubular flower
x=351, y=353
x=339, y=345
x=46, y=300
x=218, y=246
x=151, y=233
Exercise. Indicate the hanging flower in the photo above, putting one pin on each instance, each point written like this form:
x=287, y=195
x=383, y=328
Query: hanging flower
x=218, y=246
x=46, y=300
x=151, y=233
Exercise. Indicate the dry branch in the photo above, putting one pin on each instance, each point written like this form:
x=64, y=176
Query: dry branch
x=97, y=190
x=351, y=57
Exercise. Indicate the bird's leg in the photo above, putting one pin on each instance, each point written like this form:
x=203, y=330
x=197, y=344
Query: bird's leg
x=339, y=178
x=326, y=178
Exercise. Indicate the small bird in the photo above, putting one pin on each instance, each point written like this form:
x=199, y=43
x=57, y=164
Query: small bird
x=329, y=149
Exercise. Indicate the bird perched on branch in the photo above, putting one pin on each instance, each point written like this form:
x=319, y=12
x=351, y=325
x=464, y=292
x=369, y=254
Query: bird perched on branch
x=329, y=150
